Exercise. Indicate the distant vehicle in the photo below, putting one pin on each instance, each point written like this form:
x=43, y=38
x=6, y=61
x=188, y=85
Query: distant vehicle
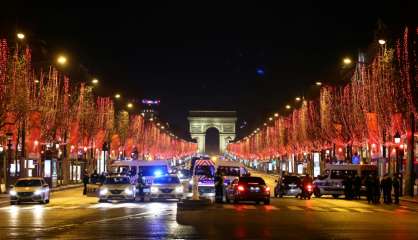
x=184, y=175
x=148, y=169
x=248, y=189
x=167, y=187
x=332, y=182
x=117, y=188
x=32, y=189
x=230, y=170
x=288, y=186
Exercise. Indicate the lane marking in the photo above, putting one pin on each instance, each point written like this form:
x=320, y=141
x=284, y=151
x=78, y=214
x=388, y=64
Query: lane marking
x=295, y=208
x=320, y=209
x=362, y=210
x=340, y=209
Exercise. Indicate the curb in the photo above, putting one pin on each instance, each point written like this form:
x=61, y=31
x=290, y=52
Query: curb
x=187, y=204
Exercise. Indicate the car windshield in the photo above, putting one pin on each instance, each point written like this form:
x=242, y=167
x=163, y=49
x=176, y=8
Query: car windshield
x=204, y=170
x=252, y=180
x=166, y=180
x=156, y=170
x=293, y=179
x=117, y=180
x=29, y=183
x=228, y=171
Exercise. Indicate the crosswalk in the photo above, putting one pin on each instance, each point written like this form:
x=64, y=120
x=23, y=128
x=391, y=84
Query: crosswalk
x=233, y=207
x=240, y=207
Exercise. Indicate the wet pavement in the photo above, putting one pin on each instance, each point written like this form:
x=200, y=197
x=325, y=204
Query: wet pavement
x=73, y=216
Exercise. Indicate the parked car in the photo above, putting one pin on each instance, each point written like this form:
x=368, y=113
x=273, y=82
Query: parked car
x=117, y=188
x=248, y=189
x=32, y=189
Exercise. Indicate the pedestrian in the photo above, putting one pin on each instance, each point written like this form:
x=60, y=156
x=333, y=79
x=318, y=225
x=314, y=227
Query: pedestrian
x=376, y=190
x=94, y=177
x=383, y=187
x=369, y=188
x=85, y=181
x=396, y=187
x=388, y=189
x=357, y=186
x=219, y=184
x=346, y=187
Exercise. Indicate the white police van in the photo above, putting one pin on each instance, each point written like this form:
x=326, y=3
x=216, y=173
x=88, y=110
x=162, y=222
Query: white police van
x=331, y=183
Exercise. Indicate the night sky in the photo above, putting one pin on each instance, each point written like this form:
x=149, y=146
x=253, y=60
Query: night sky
x=253, y=59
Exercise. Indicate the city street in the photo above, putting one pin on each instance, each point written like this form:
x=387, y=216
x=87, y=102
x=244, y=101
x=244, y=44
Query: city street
x=73, y=216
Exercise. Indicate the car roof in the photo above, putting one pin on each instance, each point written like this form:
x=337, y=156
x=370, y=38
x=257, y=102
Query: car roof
x=226, y=163
x=30, y=178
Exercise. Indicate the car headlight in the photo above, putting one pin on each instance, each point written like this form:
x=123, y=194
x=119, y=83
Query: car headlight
x=179, y=189
x=38, y=192
x=154, y=189
x=103, y=191
x=12, y=193
x=128, y=191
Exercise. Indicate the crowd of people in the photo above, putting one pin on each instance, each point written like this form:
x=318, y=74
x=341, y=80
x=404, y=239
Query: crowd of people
x=375, y=187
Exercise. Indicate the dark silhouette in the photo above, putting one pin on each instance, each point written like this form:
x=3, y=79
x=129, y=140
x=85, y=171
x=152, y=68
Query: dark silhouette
x=357, y=186
x=85, y=181
x=396, y=187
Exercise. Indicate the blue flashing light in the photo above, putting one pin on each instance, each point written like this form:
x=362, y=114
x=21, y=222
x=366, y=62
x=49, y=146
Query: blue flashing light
x=157, y=173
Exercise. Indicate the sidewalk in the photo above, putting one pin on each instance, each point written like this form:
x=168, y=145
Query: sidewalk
x=409, y=199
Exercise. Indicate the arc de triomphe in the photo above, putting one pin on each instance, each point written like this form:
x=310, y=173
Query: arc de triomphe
x=223, y=121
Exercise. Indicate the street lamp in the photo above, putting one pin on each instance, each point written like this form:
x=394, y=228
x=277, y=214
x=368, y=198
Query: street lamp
x=270, y=119
x=297, y=99
x=288, y=106
x=382, y=41
x=117, y=95
x=318, y=83
x=347, y=61
x=95, y=81
x=36, y=81
x=62, y=60
x=276, y=115
x=129, y=105
x=397, y=138
x=20, y=36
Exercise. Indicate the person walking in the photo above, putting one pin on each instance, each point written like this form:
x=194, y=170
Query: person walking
x=219, y=187
x=357, y=186
x=85, y=181
x=396, y=188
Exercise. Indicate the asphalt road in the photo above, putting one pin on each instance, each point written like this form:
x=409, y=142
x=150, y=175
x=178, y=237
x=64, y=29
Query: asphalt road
x=73, y=216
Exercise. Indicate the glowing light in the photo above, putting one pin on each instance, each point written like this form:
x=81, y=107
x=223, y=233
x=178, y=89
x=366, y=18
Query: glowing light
x=117, y=95
x=151, y=119
x=318, y=83
x=85, y=149
x=276, y=115
x=162, y=127
x=36, y=143
x=158, y=124
x=129, y=105
x=157, y=173
x=62, y=60
x=298, y=99
x=288, y=106
x=270, y=119
x=397, y=138
x=373, y=145
x=21, y=36
x=340, y=149
x=347, y=61
x=95, y=81
x=36, y=81
x=382, y=41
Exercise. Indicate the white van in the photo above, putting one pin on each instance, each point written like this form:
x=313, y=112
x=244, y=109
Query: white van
x=230, y=170
x=332, y=182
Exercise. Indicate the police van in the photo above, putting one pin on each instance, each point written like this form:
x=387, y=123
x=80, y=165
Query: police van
x=230, y=170
x=331, y=183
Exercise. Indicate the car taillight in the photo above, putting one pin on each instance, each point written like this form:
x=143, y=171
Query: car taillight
x=241, y=188
x=267, y=189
